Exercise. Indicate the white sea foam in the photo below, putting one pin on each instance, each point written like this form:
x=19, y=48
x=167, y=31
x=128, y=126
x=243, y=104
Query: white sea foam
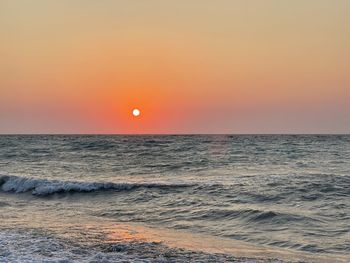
x=25, y=247
x=19, y=247
x=20, y=184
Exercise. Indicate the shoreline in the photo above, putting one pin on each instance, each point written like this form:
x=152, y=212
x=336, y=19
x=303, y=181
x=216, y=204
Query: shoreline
x=128, y=242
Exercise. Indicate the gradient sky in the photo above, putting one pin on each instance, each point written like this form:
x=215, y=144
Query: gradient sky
x=190, y=66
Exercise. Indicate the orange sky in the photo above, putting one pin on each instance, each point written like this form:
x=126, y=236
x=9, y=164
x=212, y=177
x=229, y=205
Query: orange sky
x=190, y=66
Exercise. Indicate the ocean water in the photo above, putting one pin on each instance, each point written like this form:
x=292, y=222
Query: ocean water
x=190, y=198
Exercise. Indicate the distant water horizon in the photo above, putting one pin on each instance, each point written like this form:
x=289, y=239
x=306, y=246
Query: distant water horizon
x=165, y=134
x=175, y=198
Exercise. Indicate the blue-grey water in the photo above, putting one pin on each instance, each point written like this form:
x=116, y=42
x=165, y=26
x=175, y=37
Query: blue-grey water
x=284, y=192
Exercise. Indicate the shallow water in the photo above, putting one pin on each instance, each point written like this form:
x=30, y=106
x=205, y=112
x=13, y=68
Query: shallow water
x=280, y=193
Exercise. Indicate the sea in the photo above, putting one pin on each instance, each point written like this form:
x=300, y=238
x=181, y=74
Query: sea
x=175, y=198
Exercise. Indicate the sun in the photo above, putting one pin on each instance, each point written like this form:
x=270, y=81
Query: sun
x=136, y=112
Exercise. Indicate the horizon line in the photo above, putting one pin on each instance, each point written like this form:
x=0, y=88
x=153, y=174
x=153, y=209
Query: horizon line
x=159, y=134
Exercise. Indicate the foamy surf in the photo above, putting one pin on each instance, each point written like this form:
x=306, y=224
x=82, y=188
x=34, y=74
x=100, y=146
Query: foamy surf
x=24, y=247
x=43, y=187
x=135, y=243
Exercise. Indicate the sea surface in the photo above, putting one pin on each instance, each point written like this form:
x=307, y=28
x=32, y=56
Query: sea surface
x=175, y=198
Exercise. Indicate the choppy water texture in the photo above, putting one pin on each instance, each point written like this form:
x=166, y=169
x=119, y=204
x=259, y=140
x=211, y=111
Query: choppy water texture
x=105, y=198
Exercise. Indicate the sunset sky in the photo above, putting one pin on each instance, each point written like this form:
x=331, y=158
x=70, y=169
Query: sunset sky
x=189, y=66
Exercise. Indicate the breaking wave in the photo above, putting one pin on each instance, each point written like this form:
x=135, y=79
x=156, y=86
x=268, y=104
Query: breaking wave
x=44, y=187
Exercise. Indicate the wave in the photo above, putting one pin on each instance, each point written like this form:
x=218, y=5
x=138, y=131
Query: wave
x=252, y=216
x=44, y=187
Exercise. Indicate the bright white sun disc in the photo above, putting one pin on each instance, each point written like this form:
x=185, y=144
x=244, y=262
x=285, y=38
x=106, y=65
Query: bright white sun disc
x=136, y=112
